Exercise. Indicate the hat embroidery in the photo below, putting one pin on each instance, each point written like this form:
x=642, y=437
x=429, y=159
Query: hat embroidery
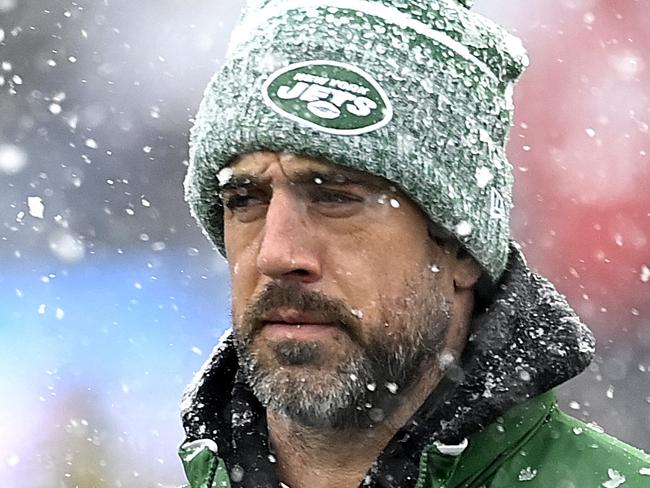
x=497, y=205
x=332, y=97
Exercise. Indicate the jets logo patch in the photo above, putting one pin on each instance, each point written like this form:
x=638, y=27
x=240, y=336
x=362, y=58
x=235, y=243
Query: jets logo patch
x=329, y=96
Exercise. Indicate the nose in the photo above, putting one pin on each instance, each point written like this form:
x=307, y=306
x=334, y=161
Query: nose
x=289, y=249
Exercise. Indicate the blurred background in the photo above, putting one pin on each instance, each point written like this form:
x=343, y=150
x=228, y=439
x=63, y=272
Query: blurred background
x=110, y=298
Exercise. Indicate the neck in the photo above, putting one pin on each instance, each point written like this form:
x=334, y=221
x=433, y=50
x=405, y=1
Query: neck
x=339, y=457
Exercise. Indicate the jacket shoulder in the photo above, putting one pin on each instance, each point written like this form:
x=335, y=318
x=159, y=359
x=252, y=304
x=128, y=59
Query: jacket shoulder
x=537, y=444
x=564, y=452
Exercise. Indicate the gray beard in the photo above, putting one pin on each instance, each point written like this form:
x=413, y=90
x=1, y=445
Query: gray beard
x=368, y=385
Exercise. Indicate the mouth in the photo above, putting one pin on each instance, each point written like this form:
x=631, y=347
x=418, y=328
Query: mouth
x=292, y=324
x=296, y=318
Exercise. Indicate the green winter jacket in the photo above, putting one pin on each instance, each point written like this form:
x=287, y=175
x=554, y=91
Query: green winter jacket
x=491, y=423
x=534, y=445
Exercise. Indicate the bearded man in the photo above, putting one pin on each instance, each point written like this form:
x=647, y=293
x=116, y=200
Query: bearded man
x=349, y=162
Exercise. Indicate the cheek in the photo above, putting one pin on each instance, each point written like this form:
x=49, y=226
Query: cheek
x=241, y=240
x=242, y=285
x=382, y=282
x=381, y=265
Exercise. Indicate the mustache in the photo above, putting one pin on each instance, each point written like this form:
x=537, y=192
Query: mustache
x=294, y=296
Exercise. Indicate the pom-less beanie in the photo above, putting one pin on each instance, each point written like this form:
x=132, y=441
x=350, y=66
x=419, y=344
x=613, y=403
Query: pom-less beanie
x=416, y=91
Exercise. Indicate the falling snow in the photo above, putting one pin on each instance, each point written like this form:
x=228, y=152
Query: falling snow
x=12, y=460
x=483, y=176
x=12, y=159
x=237, y=474
x=55, y=108
x=66, y=247
x=392, y=387
x=91, y=143
x=36, y=207
x=645, y=273
x=464, y=228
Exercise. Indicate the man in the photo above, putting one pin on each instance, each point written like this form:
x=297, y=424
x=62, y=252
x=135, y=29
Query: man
x=349, y=161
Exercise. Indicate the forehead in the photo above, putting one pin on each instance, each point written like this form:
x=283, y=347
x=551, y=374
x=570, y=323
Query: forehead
x=264, y=164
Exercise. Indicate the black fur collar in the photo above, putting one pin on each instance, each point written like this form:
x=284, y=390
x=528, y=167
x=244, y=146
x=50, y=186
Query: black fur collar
x=527, y=341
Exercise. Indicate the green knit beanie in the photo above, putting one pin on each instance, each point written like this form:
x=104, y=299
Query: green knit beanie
x=416, y=91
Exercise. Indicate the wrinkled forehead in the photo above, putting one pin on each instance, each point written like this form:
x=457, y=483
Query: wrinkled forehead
x=296, y=167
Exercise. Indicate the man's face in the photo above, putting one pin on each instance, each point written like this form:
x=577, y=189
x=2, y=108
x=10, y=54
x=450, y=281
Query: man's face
x=339, y=296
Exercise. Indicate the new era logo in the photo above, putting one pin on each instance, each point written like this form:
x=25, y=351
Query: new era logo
x=497, y=205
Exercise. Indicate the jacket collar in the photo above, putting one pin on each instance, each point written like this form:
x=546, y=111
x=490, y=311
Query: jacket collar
x=525, y=342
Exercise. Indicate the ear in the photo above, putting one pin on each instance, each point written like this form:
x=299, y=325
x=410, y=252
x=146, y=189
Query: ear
x=467, y=271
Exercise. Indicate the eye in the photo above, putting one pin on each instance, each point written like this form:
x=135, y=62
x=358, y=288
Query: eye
x=335, y=203
x=324, y=195
x=244, y=204
x=238, y=202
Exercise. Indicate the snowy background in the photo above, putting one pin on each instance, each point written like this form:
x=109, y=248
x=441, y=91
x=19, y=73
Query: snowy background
x=110, y=297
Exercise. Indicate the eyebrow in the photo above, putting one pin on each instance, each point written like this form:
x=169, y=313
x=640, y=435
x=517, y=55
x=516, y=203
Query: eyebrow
x=310, y=176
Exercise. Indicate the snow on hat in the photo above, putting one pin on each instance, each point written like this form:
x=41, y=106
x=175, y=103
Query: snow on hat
x=416, y=91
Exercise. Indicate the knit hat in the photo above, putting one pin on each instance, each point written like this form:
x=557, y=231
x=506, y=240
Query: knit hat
x=416, y=91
